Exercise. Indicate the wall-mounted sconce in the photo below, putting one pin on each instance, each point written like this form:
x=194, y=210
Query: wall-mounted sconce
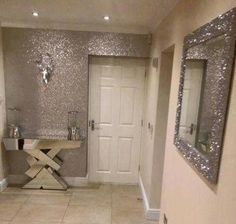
x=45, y=65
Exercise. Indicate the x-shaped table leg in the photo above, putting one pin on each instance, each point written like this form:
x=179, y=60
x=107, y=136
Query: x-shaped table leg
x=42, y=167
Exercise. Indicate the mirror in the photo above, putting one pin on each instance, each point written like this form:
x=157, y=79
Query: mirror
x=197, y=111
x=207, y=63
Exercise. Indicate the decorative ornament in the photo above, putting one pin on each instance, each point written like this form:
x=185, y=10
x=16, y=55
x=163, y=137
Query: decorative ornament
x=45, y=65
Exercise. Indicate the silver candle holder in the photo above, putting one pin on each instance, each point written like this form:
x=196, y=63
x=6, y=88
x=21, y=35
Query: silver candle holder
x=13, y=123
x=73, y=125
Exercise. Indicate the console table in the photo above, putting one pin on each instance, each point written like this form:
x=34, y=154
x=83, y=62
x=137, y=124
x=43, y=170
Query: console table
x=43, y=160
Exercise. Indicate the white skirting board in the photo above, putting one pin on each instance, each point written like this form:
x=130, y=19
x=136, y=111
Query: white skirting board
x=150, y=213
x=3, y=184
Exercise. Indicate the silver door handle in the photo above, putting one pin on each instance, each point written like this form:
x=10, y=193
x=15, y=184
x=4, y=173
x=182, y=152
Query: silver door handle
x=92, y=124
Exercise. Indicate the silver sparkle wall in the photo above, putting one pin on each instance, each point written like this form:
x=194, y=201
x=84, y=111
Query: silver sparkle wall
x=44, y=108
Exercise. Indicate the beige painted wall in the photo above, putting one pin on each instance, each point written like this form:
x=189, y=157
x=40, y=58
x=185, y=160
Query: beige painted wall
x=165, y=74
x=186, y=197
x=3, y=166
x=155, y=113
x=150, y=104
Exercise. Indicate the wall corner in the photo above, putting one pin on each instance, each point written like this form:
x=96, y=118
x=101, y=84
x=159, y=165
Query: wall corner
x=152, y=214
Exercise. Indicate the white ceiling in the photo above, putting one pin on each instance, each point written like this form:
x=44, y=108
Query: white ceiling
x=132, y=16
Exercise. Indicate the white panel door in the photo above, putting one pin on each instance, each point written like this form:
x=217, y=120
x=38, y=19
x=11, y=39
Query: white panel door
x=116, y=99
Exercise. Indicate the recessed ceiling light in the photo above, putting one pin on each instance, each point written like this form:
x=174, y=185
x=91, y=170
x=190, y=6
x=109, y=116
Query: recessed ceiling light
x=36, y=14
x=106, y=18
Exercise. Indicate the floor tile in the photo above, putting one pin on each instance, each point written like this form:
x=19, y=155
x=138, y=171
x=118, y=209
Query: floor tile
x=8, y=211
x=40, y=213
x=95, y=204
x=126, y=189
x=18, y=190
x=51, y=192
x=90, y=186
x=128, y=216
x=94, y=198
x=87, y=215
x=125, y=201
x=129, y=190
x=32, y=222
x=13, y=198
x=106, y=188
x=49, y=199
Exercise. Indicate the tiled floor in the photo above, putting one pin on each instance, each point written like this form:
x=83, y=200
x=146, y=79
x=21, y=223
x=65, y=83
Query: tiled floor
x=105, y=204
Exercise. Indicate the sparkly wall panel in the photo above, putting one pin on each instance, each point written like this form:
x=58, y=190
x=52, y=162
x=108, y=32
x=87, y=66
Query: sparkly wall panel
x=44, y=107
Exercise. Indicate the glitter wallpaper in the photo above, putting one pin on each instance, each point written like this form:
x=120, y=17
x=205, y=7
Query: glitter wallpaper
x=43, y=108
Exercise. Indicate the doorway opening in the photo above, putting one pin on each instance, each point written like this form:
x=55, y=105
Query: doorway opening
x=116, y=89
x=166, y=67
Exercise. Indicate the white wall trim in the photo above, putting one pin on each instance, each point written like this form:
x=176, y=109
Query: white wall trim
x=3, y=184
x=76, y=181
x=150, y=213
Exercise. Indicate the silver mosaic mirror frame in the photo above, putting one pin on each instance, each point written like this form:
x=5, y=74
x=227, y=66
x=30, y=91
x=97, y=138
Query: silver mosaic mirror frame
x=208, y=165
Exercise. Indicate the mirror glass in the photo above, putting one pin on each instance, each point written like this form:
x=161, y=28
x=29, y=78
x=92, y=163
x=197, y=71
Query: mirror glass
x=203, y=66
x=193, y=83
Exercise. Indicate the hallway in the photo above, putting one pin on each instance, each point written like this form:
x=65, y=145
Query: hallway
x=117, y=112
x=96, y=204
